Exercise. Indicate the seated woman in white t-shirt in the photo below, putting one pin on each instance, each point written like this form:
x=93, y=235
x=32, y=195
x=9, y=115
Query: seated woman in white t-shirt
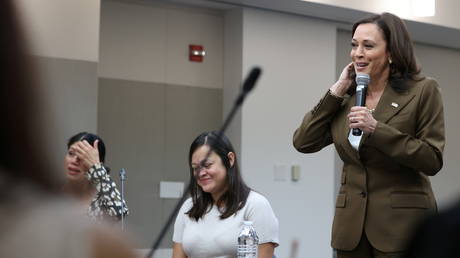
x=209, y=222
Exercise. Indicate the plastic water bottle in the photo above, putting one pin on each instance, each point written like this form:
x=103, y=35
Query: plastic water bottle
x=248, y=241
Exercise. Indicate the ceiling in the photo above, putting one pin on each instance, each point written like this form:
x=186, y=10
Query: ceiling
x=420, y=32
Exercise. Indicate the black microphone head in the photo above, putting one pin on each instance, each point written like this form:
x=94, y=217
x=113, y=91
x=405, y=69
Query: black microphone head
x=363, y=79
x=251, y=79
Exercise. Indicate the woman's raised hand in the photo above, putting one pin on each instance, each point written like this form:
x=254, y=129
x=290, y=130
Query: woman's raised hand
x=343, y=83
x=88, y=155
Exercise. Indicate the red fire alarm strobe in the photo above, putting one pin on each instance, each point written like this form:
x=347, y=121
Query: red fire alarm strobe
x=196, y=53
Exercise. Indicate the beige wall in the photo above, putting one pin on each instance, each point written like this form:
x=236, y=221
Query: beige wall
x=63, y=28
x=149, y=42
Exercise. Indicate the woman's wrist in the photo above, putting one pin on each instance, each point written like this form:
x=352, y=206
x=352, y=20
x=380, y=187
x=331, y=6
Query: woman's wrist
x=94, y=167
x=335, y=95
x=373, y=126
x=95, y=172
x=97, y=165
x=339, y=89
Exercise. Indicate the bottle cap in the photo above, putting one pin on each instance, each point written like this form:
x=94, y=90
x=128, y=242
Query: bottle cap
x=247, y=223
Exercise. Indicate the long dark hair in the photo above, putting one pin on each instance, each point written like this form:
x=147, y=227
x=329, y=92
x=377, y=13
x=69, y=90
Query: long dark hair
x=399, y=44
x=22, y=156
x=237, y=191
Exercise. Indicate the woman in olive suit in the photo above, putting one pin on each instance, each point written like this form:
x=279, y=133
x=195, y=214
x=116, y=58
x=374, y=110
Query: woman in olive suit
x=385, y=188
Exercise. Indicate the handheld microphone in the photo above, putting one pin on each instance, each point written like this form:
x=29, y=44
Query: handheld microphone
x=362, y=80
x=248, y=85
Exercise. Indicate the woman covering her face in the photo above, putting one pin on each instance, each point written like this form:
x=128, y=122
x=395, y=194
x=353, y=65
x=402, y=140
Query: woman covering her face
x=88, y=179
x=385, y=188
x=209, y=222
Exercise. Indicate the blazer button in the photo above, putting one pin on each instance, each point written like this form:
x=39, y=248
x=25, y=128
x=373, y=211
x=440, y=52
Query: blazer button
x=363, y=194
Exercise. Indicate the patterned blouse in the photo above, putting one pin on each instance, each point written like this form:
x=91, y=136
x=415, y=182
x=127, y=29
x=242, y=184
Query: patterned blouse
x=107, y=203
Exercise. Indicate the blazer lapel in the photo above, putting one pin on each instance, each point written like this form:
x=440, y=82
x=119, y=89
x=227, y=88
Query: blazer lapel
x=391, y=103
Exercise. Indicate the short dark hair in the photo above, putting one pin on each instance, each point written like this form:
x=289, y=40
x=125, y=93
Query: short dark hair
x=237, y=191
x=399, y=44
x=90, y=138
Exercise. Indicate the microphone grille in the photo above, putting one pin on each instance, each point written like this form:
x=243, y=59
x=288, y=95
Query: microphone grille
x=363, y=79
x=251, y=79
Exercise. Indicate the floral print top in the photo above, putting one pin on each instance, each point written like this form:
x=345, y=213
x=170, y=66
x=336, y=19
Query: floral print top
x=107, y=203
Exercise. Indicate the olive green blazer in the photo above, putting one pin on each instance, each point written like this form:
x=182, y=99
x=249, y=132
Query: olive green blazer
x=385, y=188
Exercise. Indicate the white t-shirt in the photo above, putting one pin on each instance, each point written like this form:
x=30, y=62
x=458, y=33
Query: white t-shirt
x=214, y=237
